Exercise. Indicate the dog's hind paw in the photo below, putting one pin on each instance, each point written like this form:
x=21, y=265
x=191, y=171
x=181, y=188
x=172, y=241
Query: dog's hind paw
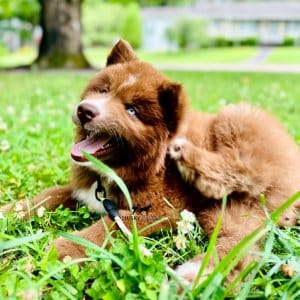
x=188, y=271
x=176, y=147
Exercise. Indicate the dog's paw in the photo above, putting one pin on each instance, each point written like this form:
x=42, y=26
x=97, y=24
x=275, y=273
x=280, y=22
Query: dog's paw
x=66, y=248
x=176, y=148
x=188, y=271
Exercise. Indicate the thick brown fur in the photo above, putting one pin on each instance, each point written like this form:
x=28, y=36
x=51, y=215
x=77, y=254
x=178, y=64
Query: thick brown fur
x=242, y=152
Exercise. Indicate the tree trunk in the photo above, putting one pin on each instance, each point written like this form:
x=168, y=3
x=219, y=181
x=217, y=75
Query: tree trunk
x=61, y=42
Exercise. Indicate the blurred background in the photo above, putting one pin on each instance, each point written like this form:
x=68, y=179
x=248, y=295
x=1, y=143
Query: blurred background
x=79, y=33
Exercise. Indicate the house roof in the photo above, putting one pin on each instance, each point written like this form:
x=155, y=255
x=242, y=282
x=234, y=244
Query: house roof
x=267, y=10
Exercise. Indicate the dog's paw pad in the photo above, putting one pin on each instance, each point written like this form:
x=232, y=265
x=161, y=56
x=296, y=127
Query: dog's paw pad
x=188, y=271
x=176, y=147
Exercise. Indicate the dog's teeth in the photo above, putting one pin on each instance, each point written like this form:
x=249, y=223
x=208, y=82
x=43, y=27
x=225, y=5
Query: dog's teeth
x=107, y=145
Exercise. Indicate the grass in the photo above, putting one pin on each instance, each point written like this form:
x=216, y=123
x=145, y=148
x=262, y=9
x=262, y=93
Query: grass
x=96, y=56
x=23, y=56
x=36, y=108
x=227, y=55
x=284, y=55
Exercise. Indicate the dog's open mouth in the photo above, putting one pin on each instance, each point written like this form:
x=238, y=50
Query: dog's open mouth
x=99, y=146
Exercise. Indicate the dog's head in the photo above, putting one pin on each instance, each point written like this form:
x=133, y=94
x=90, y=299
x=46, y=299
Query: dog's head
x=128, y=112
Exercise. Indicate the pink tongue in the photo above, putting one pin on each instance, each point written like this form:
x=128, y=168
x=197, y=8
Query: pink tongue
x=90, y=145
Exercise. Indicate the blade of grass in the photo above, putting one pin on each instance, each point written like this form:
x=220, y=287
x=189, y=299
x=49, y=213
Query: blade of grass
x=112, y=174
x=185, y=289
x=215, y=283
x=211, y=245
x=237, y=252
x=45, y=278
x=23, y=240
x=90, y=245
x=240, y=277
x=153, y=224
x=275, y=215
x=243, y=294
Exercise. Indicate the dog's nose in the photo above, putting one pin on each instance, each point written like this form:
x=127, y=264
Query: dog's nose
x=86, y=112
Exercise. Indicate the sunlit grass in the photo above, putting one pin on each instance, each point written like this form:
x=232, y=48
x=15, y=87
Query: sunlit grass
x=23, y=56
x=97, y=56
x=224, y=55
x=284, y=55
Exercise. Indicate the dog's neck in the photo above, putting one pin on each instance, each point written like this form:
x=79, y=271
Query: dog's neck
x=139, y=180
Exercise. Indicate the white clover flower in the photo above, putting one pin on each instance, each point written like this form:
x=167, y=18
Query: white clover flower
x=222, y=101
x=40, y=211
x=184, y=227
x=4, y=145
x=3, y=126
x=67, y=259
x=180, y=241
x=20, y=215
x=1, y=215
x=11, y=110
x=18, y=207
x=31, y=167
x=24, y=119
x=38, y=91
x=36, y=128
x=188, y=216
x=52, y=125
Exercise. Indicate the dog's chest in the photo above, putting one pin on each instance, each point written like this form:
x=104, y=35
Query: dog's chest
x=87, y=196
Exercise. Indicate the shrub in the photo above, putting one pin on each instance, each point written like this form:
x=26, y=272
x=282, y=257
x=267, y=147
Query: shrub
x=189, y=33
x=104, y=23
x=250, y=41
x=288, y=41
x=132, y=25
x=222, y=42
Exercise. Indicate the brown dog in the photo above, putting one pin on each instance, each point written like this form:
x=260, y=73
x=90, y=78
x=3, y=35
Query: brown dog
x=130, y=114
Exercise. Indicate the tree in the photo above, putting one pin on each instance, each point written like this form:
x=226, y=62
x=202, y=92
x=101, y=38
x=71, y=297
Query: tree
x=61, y=42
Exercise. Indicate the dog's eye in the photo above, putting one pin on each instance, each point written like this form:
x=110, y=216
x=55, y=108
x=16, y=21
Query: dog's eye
x=132, y=111
x=104, y=89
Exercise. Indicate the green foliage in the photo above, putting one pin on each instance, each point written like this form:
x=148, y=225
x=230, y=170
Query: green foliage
x=222, y=42
x=284, y=55
x=250, y=41
x=153, y=2
x=288, y=41
x=189, y=33
x=104, y=23
x=132, y=25
x=27, y=10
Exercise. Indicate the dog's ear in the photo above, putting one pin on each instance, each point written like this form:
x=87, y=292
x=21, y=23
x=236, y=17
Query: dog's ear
x=172, y=100
x=120, y=53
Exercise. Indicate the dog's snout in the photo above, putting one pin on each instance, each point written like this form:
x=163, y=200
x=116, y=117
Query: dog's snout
x=86, y=112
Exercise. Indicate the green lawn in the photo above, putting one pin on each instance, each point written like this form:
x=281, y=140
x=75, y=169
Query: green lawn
x=97, y=56
x=23, y=56
x=284, y=55
x=227, y=55
x=35, y=139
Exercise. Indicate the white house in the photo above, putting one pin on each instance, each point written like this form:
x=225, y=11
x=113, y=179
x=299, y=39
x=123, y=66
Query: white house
x=268, y=21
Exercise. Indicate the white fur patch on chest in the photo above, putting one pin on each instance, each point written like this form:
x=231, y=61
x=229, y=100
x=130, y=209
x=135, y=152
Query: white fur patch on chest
x=88, y=198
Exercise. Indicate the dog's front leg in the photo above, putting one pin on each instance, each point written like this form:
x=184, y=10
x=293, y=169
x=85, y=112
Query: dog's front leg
x=49, y=198
x=96, y=233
